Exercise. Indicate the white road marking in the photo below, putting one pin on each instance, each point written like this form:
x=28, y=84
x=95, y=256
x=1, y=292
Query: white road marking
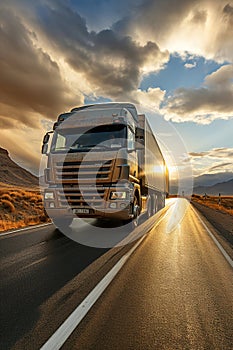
x=24, y=229
x=56, y=341
x=34, y=263
x=146, y=227
x=222, y=250
x=65, y=330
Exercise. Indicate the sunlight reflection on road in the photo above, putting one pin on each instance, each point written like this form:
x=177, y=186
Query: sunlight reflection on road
x=176, y=214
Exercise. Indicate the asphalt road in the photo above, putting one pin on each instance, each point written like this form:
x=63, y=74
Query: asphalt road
x=174, y=292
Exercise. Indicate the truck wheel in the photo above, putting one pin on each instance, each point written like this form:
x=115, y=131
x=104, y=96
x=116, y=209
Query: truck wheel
x=156, y=204
x=163, y=201
x=149, y=208
x=136, y=212
x=153, y=204
x=62, y=222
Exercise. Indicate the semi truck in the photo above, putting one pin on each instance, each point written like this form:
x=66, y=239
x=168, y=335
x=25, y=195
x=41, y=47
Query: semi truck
x=103, y=161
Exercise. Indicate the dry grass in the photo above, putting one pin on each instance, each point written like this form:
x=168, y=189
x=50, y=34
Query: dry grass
x=225, y=204
x=8, y=205
x=20, y=207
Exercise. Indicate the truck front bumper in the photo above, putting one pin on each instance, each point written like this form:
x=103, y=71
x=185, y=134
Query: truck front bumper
x=119, y=214
x=109, y=206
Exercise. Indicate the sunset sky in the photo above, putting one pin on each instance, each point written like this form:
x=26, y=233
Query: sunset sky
x=174, y=58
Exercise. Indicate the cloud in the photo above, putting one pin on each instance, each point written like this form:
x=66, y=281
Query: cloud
x=203, y=27
x=151, y=98
x=197, y=154
x=24, y=145
x=213, y=100
x=212, y=161
x=220, y=167
x=223, y=43
x=190, y=65
x=50, y=59
x=31, y=85
x=111, y=63
x=222, y=152
x=199, y=16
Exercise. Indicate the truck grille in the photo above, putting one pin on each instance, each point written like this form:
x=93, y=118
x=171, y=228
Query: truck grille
x=87, y=198
x=89, y=171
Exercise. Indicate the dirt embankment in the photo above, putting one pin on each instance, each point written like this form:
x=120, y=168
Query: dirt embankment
x=20, y=207
x=220, y=215
x=14, y=175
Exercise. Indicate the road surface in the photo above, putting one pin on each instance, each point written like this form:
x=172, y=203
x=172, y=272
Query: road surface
x=174, y=291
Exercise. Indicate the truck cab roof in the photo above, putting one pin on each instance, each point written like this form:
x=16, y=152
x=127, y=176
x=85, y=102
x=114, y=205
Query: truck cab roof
x=93, y=117
x=110, y=105
x=105, y=111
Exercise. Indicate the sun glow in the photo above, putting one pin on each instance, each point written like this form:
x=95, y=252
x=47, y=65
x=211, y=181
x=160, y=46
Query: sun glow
x=172, y=171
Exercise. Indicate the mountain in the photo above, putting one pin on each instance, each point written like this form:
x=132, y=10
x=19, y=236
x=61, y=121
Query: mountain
x=211, y=187
x=225, y=188
x=13, y=174
x=212, y=179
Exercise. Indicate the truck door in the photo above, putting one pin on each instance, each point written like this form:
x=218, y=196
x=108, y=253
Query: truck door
x=132, y=154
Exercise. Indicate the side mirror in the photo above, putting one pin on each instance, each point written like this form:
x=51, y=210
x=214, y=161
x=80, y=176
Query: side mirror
x=124, y=174
x=131, y=150
x=139, y=134
x=44, y=149
x=139, y=146
x=140, y=138
x=46, y=138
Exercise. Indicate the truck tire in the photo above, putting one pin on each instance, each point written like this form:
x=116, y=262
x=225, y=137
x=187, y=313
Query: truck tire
x=62, y=222
x=163, y=200
x=156, y=204
x=153, y=204
x=149, y=207
x=136, y=211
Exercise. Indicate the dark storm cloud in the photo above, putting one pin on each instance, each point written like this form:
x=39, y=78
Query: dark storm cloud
x=223, y=43
x=228, y=13
x=157, y=18
x=110, y=62
x=201, y=26
x=199, y=16
x=30, y=81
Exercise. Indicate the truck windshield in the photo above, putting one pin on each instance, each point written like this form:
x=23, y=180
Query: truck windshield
x=103, y=137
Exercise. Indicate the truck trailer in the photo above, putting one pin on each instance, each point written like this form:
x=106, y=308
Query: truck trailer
x=103, y=162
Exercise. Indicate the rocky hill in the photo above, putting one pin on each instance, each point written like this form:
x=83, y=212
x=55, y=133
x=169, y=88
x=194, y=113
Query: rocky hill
x=212, y=179
x=225, y=188
x=13, y=174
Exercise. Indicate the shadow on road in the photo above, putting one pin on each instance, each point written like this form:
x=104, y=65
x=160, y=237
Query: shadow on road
x=47, y=267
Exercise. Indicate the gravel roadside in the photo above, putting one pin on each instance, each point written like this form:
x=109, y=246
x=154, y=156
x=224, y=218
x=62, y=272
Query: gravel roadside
x=221, y=222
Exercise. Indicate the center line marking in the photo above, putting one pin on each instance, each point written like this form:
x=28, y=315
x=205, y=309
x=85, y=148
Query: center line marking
x=65, y=330
x=56, y=341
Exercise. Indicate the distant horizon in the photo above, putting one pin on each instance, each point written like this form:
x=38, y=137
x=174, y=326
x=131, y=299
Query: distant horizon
x=173, y=183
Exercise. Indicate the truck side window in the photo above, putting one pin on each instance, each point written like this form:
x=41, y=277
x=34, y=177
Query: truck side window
x=130, y=139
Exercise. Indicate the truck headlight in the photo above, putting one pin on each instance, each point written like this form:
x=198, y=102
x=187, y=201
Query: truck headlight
x=118, y=195
x=48, y=195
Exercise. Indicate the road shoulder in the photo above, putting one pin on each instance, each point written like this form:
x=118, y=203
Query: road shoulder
x=220, y=224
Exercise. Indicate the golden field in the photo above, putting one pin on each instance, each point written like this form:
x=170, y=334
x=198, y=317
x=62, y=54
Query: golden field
x=224, y=205
x=20, y=207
